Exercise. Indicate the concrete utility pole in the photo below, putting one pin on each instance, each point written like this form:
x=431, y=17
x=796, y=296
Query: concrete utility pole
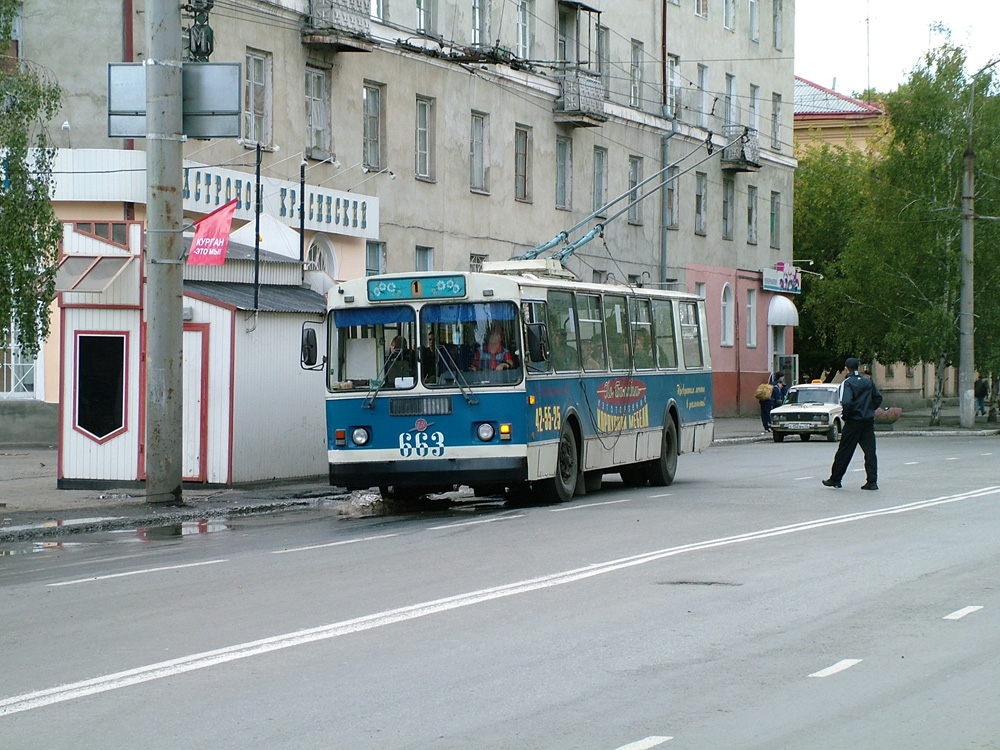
x=966, y=319
x=164, y=271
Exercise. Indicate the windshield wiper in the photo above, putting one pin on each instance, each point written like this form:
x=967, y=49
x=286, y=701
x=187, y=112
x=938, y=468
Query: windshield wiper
x=374, y=386
x=451, y=365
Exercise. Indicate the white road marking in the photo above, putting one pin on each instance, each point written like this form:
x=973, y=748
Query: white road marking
x=952, y=458
x=135, y=573
x=911, y=463
x=590, y=505
x=801, y=479
x=476, y=523
x=645, y=744
x=985, y=454
x=665, y=494
x=959, y=614
x=331, y=544
x=117, y=680
x=840, y=666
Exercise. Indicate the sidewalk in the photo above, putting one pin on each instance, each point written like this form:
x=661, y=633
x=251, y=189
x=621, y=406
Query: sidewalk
x=32, y=507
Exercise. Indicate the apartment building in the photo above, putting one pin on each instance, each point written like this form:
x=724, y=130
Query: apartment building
x=482, y=128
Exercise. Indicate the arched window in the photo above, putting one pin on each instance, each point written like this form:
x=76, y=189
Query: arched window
x=321, y=257
x=728, y=314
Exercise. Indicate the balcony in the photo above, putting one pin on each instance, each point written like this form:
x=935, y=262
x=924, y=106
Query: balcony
x=339, y=25
x=581, y=100
x=744, y=155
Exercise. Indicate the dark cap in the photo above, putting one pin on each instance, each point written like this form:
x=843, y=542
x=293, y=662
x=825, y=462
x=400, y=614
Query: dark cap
x=852, y=363
x=779, y=375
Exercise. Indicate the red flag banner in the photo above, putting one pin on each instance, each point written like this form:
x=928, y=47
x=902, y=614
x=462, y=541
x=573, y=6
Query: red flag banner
x=211, y=237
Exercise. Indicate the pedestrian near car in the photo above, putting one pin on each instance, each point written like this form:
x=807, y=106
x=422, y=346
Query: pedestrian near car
x=859, y=398
x=982, y=390
x=778, y=390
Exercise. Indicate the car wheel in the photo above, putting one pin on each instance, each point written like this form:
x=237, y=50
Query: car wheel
x=779, y=437
x=833, y=434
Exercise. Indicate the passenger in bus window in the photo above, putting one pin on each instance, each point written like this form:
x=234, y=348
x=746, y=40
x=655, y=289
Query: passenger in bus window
x=643, y=350
x=592, y=353
x=564, y=356
x=495, y=356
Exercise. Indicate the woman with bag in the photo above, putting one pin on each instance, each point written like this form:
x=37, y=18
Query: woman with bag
x=776, y=397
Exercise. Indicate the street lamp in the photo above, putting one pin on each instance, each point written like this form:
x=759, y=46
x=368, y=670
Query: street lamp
x=966, y=319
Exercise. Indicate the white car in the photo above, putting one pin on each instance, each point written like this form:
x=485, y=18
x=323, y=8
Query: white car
x=812, y=409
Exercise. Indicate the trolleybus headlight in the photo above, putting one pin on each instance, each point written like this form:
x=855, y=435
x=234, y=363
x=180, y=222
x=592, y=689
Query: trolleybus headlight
x=505, y=432
x=485, y=432
x=360, y=436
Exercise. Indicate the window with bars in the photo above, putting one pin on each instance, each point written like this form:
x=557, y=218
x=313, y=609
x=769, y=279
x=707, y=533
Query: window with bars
x=476, y=262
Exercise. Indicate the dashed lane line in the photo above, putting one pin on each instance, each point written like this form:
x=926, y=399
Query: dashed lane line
x=960, y=613
x=135, y=573
x=476, y=523
x=590, y=505
x=645, y=744
x=840, y=666
x=332, y=544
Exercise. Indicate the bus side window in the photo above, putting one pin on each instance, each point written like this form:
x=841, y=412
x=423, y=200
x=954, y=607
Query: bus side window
x=642, y=340
x=591, y=332
x=663, y=332
x=690, y=335
x=616, y=326
x=563, y=345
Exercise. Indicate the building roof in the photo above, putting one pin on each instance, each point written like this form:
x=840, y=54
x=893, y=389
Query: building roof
x=239, y=251
x=813, y=99
x=271, y=297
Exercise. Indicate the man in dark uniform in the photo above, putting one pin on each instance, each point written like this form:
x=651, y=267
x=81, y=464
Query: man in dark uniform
x=860, y=398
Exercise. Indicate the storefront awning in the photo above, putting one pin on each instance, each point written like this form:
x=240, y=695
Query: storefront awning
x=782, y=312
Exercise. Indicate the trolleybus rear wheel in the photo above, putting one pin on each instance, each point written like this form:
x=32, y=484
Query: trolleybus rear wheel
x=663, y=469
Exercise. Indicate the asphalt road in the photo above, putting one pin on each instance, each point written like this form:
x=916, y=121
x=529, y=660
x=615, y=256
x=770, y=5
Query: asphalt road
x=745, y=606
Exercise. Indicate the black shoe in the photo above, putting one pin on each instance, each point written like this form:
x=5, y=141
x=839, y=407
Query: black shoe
x=834, y=483
x=868, y=486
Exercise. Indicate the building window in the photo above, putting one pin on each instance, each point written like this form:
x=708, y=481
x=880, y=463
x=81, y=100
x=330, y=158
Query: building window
x=425, y=16
x=566, y=34
x=731, y=109
x=728, y=316
x=754, y=108
x=524, y=29
x=751, y=318
x=598, y=277
x=374, y=258
x=673, y=86
x=635, y=75
x=699, y=289
x=476, y=262
x=425, y=258
x=776, y=220
x=371, y=155
x=423, y=165
x=730, y=14
x=751, y=214
x=704, y=95
x=776, y=121
x=776, y=24
x=700, y=202
x=377, y=9
x=318, y=133
x=728, y=207
x=479, y=31
x=603, y=59
x=522, y=163
x=479, y=171
x=564, y=173
x=101, y=371
x=635, y=193
x=754, y=21
x=701, y=8
x=673, y=195
x=600, y=180
x=257, y=98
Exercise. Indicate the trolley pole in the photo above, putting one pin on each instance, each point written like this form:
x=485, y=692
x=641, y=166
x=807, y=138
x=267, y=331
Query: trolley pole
x=164, y=271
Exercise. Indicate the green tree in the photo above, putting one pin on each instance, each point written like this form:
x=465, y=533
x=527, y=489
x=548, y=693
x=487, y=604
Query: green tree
x=29, y=229
x=830, y=194
x=893, y=293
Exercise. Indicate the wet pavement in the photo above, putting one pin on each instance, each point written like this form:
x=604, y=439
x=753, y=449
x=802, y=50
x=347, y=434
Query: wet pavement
x=32, y=507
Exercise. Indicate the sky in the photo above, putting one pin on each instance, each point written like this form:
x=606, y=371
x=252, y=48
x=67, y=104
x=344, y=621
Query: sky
x=880, y=41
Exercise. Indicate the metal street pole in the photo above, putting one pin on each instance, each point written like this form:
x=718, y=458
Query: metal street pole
x=164, y=272
x=966, y=319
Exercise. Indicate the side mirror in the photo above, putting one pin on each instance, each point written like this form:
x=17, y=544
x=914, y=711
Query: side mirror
x=537, y=342
x=310, y=349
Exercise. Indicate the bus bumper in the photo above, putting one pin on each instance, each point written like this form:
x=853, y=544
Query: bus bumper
x=430, y=473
